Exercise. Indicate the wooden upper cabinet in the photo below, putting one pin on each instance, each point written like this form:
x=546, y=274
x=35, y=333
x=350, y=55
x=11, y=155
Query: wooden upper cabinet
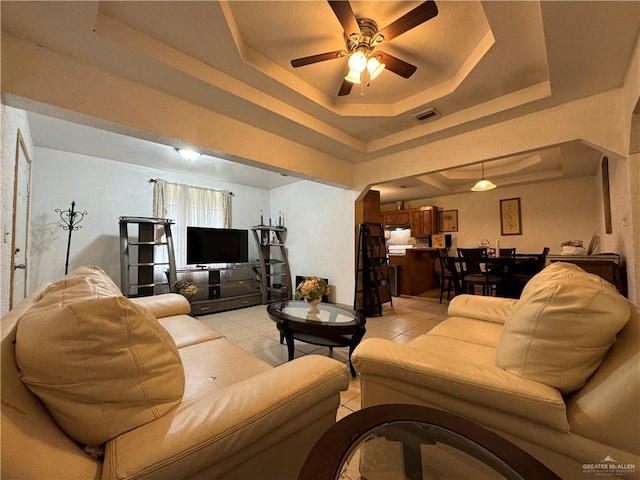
x=404, y=217
x=390, y=218
x=423, y=221
x=416, y=223
x=429, y=218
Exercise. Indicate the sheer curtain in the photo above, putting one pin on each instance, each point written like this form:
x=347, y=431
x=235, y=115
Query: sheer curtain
x=190, y=206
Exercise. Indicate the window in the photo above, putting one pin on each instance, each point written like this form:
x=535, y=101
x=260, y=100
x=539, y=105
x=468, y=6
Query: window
x=190, y=206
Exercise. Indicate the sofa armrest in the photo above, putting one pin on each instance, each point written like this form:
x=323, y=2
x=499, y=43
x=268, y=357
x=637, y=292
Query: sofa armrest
x=215, y=433
x=417, y=373
x=489, y=309
x=164, y=305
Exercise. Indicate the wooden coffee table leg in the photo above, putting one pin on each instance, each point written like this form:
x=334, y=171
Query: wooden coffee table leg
x=288, y=336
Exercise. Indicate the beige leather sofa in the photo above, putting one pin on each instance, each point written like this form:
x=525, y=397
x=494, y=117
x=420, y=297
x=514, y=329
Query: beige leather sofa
x=95, y=385
x=556, y=372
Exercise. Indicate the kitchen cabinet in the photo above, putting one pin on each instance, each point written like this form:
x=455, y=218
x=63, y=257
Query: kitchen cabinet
x=404, y=217
x=390, y=218
x=424, y=221
x=397, y=217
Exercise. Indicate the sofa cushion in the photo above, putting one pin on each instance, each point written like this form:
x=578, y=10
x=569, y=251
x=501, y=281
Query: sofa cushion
x=101, y=366
x=562, y=326
x=82, y=283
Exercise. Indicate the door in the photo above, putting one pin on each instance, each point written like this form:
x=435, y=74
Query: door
x=21, y=187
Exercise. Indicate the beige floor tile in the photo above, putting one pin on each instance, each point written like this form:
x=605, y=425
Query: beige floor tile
x=276, y=355
x=253, y=330
x=353, y=404
x=258, y=343
x=342, y=412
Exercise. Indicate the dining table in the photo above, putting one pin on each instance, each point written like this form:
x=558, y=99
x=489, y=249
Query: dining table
x=504, y=267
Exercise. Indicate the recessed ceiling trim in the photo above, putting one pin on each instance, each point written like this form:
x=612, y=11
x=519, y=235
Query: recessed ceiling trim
x=160, y=52
x=513, y=100
x=450, y=86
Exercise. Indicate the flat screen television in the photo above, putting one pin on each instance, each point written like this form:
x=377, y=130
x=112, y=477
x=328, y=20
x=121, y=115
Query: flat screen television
x=217, y=245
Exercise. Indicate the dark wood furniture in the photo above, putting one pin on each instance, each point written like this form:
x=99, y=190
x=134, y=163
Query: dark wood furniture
x=333, y=327
x=524, y=271
x=416, y=270
x=472, y=273
x=425, y=440
x=423, y=221
x=372, y=286
x=505, y=268
x=445, y=274
x=605, y=265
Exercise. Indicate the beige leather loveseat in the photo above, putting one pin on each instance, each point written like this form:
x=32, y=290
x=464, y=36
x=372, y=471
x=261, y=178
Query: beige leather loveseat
x=556, y=372
x=95, y=385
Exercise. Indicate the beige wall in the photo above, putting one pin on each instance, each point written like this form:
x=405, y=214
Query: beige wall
x=551, y=213
x=85, y=93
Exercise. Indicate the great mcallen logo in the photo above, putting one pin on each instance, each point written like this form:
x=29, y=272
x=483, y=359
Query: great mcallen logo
x=609, y=467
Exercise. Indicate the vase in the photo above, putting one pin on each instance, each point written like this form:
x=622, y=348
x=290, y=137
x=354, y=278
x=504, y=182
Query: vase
x=313, y=306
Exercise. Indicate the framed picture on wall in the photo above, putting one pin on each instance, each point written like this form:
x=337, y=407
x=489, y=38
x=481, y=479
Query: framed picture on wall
x=448, y=220
x=510, y=221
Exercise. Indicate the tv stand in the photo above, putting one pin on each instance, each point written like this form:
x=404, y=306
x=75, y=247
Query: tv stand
x=222, y=287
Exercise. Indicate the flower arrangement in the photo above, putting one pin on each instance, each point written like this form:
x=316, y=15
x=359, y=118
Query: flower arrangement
x=312, y=288
x=186, y=289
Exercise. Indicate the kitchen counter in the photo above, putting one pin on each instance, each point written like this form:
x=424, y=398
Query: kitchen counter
x=416, y=269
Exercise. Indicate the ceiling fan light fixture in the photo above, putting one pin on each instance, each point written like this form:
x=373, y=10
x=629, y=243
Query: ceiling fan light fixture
x=375, y=67
x=358, y=61
x=353, y=77
x=483, y=184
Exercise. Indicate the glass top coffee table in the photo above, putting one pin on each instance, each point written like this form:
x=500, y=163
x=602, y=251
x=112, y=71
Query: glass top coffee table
x=412, y=442
x=332, y=326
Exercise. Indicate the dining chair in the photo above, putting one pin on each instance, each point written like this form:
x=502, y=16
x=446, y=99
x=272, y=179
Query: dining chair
x=445, y=274
x=473, y=274
x=525, y=272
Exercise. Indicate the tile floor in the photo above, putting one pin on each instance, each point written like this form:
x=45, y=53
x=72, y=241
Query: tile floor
x=251, y=329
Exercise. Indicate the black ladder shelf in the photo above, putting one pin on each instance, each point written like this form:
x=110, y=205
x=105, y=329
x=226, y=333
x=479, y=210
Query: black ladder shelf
x=373, y=287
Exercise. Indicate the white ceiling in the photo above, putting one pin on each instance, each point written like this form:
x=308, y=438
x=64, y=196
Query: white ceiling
x=62, y=135
x=478, y=62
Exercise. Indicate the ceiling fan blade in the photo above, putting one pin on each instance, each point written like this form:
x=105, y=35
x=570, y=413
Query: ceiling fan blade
x=345, y=88
x=320, y=57
x=397, y=66
x=346, y=17
x=420, y=14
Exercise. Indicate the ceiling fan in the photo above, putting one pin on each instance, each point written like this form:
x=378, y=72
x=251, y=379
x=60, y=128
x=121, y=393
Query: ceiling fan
x=362, y=37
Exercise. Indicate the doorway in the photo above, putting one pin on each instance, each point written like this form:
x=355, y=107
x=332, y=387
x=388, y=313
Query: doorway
x=21, y=191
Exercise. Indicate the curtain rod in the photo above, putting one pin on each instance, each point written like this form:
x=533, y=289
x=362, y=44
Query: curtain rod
x=153, y=180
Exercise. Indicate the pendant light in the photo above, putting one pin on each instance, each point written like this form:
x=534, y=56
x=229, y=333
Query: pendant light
x=483, y=184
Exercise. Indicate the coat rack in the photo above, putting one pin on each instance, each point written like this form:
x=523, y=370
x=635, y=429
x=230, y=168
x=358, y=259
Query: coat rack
x=70, y=220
